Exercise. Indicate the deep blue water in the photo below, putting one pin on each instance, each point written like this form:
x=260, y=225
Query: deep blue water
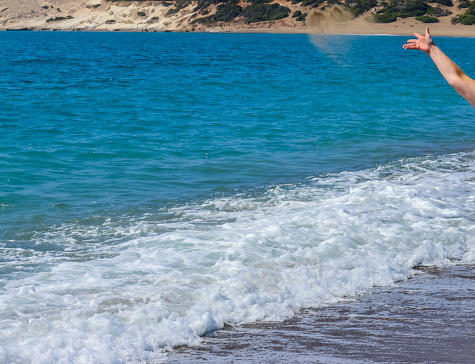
x=106, y=138
x=106, y=121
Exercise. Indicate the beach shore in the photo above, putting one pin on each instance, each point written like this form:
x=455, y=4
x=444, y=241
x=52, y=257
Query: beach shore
x=98, y=15
x=428, y=318
x=356, y=27
x=360, y=26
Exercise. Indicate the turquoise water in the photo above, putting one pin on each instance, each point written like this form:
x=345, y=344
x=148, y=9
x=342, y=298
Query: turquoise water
x=136, y=165
x=94, y=121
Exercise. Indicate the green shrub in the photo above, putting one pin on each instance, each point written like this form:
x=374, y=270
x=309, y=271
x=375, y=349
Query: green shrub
x=434, y=11
x=182, y=3
x=203, y=4
x=265, y=12
x=296, y=14
x=464, y=19
x=427, y=19
x=438, y=12
x=412, y=6
x=199, y=21
x=110, y=21
x=226, y=12
x=358, y=7
x=400, y=9
x=59, y=18
x=173, y=11
x=260, y=1
x=443, y=2
x=385, y=18
x=471, y=9
x=384, y=10
x=313, y=3
x=179, y=4
x=141, y=13
x=415, y=13
x=279, y=16
x=467, y=18
x=464, y=4
x=302, y=17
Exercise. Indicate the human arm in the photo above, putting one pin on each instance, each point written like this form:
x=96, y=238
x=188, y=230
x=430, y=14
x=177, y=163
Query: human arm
x=454, y=75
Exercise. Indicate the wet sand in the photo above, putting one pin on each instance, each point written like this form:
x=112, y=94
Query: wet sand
x=428, y=319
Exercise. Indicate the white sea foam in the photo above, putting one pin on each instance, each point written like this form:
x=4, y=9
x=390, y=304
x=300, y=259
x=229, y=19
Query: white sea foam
x=233, y=260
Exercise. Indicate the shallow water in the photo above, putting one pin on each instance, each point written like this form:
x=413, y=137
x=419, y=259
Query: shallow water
x=154, y=187
x=427, y=319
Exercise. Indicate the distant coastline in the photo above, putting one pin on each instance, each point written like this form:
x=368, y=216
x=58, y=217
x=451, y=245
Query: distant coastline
x=294, y=17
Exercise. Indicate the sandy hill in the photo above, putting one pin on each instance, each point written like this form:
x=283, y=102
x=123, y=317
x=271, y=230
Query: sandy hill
x=293, y=16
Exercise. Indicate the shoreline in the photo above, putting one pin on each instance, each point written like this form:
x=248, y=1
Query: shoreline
x=428, y=318
x=451, y=34
x=104, y=16
x=357, y=26
x=245, y=31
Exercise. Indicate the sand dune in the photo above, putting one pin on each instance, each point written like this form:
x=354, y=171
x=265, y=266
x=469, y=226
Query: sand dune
x=101, y=15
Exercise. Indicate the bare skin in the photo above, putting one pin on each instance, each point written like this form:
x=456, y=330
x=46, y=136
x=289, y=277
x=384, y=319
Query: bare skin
x=454, y=75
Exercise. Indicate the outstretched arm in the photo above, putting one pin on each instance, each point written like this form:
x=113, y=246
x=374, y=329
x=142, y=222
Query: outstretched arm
x=454, y=75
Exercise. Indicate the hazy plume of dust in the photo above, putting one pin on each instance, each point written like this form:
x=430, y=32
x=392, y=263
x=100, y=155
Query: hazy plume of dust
x=323, y=21
x=329, y=21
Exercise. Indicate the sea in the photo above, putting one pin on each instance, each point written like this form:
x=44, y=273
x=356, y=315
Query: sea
x=158, y=186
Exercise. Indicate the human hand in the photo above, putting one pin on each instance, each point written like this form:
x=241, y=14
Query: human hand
x=422, y=43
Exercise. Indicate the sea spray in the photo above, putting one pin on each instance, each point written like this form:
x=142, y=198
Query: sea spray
x=240, y=258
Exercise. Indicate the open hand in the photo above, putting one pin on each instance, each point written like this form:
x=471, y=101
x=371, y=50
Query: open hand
x=422, y=43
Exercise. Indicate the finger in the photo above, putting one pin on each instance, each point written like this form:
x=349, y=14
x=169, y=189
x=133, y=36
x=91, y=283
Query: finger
x=409, y=43
x=428, y=36
x=418, y=36
x=412, y=41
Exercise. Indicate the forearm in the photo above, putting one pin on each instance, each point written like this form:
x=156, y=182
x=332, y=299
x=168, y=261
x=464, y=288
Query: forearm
x=446, y=66
x=454, y=75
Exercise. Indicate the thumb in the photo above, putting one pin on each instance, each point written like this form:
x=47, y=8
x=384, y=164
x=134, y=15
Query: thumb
x=427, y=32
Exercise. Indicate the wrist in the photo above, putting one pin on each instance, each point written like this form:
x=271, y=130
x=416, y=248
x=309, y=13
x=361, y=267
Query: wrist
x=431, y=49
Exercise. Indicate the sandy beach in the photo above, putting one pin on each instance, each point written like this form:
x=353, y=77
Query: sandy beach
x=361, y=26
x=154, y=16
